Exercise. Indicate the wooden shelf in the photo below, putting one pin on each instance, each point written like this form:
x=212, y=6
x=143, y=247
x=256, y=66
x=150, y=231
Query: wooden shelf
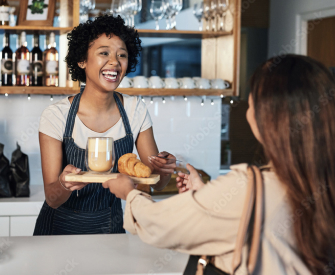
x=174, y=92
x=37, y=90
x=128, y=91
x=31, y=29
x=181, y=34
x=142, y=33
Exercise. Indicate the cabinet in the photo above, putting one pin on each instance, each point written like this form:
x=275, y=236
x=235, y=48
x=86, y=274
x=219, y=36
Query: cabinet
x=22, y=225
x=220, y=54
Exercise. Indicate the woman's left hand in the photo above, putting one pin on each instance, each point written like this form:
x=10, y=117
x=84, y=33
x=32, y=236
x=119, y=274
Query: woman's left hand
x=163, y=164
x=121, y=186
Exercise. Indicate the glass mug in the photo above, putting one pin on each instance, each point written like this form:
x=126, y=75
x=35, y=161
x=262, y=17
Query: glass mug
x=100, y=155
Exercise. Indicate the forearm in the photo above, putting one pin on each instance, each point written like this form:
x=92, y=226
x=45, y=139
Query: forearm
x=164, y=180
x=55, y=194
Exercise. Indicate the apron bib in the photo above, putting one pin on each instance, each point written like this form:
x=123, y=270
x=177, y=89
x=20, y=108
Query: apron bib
x=93, y=209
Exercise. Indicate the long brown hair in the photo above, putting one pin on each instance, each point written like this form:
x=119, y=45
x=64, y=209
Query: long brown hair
x=294, y=101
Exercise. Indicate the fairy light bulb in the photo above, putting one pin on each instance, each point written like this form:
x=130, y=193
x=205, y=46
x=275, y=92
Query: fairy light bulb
x=185, y=98
x=143, y=100
x=163, y=99
x=29, y=97
x=6, y=94
x=152, y=100
x=221, y=96
x=51, y=98
x=231, y=101
x=202, y=102
x=212, y=102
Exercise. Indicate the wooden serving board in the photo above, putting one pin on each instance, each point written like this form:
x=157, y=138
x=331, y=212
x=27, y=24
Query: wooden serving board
x=100, y=178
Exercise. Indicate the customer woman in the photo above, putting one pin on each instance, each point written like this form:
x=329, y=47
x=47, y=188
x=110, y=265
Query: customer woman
x=291, y=112
x=100, y=53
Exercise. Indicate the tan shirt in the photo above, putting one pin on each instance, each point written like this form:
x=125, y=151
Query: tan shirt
x=205, y=222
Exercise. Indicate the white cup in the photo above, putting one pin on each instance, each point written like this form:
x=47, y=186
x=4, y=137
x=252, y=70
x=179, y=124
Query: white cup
x=172, y=83
x=202, y=83
x=156, y=82
x=219, y=84
x=126, y=83
x=140, y=82
x=187, y=83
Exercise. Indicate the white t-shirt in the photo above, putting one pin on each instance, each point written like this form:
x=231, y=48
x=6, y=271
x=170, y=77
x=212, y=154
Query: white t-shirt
x=53, y=121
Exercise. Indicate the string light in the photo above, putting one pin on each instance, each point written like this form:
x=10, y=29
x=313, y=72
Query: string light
x=185, y=98
x=6, y=94
x=212, y=102
x=222, y=96
x=163, y=100
x=231, y=101
x=51, y=98
x=142, y=98
x=202, y=102
x=152, y=100
x=29, y=97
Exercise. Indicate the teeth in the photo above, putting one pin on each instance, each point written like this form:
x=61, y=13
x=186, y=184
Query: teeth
x=110, y=77
x=109, y=73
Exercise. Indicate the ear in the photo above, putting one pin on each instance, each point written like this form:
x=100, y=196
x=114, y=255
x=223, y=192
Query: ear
x=82, y=65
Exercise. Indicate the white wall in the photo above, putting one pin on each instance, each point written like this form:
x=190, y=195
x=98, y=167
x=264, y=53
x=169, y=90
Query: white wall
x=186, y=129
x=283, y=22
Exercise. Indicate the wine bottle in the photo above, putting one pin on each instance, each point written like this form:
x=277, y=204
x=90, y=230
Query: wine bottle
x=51, y=63
x=6, y=63
x=4, y=13
x=22, y=62
x=36, y=62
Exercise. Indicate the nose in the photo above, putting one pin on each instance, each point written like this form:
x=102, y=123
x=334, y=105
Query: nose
x=113, y=60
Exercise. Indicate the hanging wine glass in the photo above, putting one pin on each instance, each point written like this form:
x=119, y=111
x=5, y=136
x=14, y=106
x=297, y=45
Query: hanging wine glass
x=207, y=13
x=198, y=11
x=84, y=7
x=177, y=5
x=213, y=12
x=223, y=6
x=168, y=14
x=127, y=10
x=157, y=10
x=116, y=8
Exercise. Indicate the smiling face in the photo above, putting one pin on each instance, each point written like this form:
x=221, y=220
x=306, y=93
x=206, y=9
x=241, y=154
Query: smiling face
x=106, y=64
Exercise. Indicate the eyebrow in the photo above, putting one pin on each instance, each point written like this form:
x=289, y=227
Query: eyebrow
x=108, y=47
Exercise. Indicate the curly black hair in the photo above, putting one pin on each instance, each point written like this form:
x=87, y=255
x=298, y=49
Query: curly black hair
x=84, y=34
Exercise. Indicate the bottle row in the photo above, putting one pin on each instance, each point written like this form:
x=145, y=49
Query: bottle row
x=29, y=68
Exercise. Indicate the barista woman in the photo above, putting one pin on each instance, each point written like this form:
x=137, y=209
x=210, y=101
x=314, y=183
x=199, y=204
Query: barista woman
x=101, y=53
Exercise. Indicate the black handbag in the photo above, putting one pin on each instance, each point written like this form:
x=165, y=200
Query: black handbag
x=19, y=176
x=204, y=265
x=4, y=175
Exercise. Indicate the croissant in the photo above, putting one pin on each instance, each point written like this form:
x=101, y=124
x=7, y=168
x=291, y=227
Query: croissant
x=129, y=164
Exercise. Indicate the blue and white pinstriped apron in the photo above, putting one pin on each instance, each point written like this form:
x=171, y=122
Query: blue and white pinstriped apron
x=94, y=210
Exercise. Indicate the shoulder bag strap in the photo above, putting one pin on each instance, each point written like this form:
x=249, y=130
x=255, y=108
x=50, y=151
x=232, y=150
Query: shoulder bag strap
x=254, y=198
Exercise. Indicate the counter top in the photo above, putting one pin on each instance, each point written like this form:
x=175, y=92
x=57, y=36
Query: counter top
x=31, y=206
x=86, y=255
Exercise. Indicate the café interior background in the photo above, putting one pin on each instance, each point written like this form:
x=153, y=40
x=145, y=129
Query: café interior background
x=182, y=127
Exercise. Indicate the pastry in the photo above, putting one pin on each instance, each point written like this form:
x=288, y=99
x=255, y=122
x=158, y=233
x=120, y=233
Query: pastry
x=129, y=164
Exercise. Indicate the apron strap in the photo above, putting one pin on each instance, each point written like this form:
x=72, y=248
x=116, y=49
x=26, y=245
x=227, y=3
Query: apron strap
x=72, y=116
x=123, y=115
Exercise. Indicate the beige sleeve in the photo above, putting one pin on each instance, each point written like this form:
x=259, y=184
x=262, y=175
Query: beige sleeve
x=202, y=222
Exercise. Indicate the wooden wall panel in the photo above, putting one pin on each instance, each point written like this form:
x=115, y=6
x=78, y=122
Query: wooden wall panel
x=321, y=41
x=208, y=58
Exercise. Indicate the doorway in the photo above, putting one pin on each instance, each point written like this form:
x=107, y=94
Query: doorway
x=321, y=41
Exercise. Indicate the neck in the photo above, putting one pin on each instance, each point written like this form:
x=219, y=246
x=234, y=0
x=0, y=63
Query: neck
x=97, y=101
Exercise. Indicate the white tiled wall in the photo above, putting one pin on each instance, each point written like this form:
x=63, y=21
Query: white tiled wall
x=184, y=128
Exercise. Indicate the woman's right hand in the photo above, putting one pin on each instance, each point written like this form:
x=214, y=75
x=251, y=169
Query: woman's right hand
x=72, y=186
x=187, y=182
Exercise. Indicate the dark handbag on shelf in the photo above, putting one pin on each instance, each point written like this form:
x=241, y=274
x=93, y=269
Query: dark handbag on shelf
x=204, y=265
x=19, y=176
x=4, y=175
